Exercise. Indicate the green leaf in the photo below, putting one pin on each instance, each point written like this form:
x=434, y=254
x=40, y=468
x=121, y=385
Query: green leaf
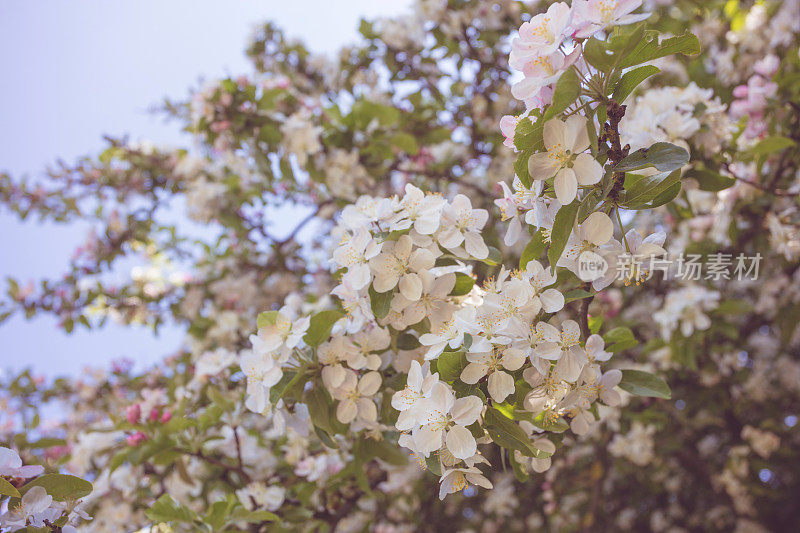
x=291, y=383
x=631, y=79
x=665, y=157
x=320, y=408
x=407, y=341
x=644, y=384
x=533, y=250
x=386, y=451
x=618, y=334
x=770, y=145
x=605, y=55
x=267, y=318
x=464, y=284
x=405, y=142
x=61, y=487
x=661, y=198
x=519, y=471
x=577, y=294
x=647, y=188
x=649, y=48
x=218, y=513
x=379, y=302
x=521, y=167
x=319, y=328
x=562, y=228
x=507, y=433
x=7, y=489
x=529, y=135
x=450, y=365
x=567, y=90
x=619, y=339
x=708, y=180
x=165, y=509
x=253, y=517
x=432, y=463
x=559, y=425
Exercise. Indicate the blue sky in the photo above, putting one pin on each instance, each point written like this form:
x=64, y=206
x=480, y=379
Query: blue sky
x=77, y=70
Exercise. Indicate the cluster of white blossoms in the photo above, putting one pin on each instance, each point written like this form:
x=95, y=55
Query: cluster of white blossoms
x=685, y=310
x=403, y=267
x=35, y=508
x=549, y=44
x=497, y=362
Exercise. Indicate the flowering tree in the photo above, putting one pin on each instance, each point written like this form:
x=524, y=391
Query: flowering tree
x=465, y=305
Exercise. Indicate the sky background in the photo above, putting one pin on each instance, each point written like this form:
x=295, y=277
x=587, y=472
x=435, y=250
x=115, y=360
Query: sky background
x=77, y=70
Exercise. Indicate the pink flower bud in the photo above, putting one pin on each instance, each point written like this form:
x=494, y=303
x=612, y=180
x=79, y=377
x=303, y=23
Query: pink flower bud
x=166, y=417
x=133, y=413
x=136, y=438
x=740, y=91
x=154, y=415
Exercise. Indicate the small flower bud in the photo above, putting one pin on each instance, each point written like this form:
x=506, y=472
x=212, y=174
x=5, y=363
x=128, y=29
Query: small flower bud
x=133, y=413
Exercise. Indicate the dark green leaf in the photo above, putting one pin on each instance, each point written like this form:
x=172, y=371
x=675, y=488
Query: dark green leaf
x=450, y=365
x=464, y=284
x=562, y=228
x=533, y=250
x=61, y=487
x=319, y=329
x=567, y=90
x=665, y=157
x=644, y=384
x=380, y=302
x=631, y=79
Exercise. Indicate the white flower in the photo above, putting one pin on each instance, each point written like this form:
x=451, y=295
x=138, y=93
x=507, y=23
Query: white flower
x=258, y=495
x=595, y=349
x=398, y=264
x=354, y=254
x=522, y=200
x=543, y=34
x=639, y=252
x=457, y=479
x=492, y=363
x=592, y=16
x=551, y=300
x=540, y=72
x=432, y=303
x=408, y=401
x=420, y=210
x=262, y=372
x=595, y=231
x=11, y=465
x=450, y=333
x=463, y=225
x=445, y=423
x=562, y=346
x=355, y=397
x=33, y=503
x=279, y=329
x=566, y=158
